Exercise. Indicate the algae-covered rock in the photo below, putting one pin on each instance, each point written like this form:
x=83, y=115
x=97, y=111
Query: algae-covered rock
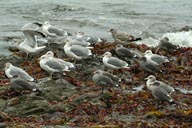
x=57, y=90
x=2, y=104
x=29, y=105
x=85, y=98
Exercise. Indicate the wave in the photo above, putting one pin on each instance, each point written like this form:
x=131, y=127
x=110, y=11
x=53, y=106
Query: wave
x=183, y=39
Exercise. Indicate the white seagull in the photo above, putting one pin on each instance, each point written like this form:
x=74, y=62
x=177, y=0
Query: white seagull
x=11, y=70
x=113, y=62
x=50, y=30
x=29, y=45
x=50, y=55
x=155, y=58
x=77, y=51
x=51, y=65
x=151, y=80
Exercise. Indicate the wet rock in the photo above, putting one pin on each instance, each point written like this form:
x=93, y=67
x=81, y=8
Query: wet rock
x=87, y=97
x=29, y=106
x=13, y=59
x=3, y=125
x=153, y=115
x=57, y=90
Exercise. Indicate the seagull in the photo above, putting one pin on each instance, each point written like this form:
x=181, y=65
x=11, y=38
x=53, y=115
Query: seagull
x=50, y=55
x=124, y=52
x=30, y=30
x=19, y=84
x=122, y=37
x=77, y=51
x=164, y=44
x=155, y=58
x=78, y=42
x=103, y=79
x=29, y=45
x=81, y=36
x=31, y=26
x=160, y=93
x=151, y=79
x=149, y=66
x=50, y=30
x=25, y=47
x=11, y=70
x=51, y=65
x=113, y=62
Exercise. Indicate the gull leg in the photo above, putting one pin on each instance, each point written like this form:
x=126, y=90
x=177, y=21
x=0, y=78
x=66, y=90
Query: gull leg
x=157, y=50
x=101, y=90
x=50, y=76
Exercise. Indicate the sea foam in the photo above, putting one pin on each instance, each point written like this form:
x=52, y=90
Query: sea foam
x=183, y=39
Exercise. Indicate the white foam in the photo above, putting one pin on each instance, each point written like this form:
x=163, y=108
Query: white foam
x=183, y=39
x=150, y=42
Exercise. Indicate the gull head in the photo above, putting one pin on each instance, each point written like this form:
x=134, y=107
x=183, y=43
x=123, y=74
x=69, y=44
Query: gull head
x=80, y=33
x=42, y=57
x=7, y=65
x=148, y=52
x=68, y=42
x=112, y=30
x=107, y=54
x=151, y=78
x=165, y=39
x=119, y=46
x=46, y=23
x=98, y=72
x=50, y=54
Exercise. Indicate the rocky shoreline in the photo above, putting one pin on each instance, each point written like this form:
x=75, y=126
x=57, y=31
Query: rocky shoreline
x=75, y=100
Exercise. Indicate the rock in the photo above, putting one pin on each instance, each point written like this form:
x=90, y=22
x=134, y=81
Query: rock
x=2, y=125
x=56, y=90
x=29, y=106
x=85, y=98
x=2, y=104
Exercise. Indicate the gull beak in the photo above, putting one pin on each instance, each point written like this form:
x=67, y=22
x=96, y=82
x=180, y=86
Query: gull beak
x=146, y=78
x=94, y=72
x=38, y=59
x=101, y=56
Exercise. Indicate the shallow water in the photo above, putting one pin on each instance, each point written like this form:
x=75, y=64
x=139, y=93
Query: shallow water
x=146, y=18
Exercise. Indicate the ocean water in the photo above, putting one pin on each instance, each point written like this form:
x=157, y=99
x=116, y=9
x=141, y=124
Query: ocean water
x=150, y=19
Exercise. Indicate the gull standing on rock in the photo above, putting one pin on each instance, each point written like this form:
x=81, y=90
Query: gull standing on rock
x=157, y=59
x=113, y=62
x=11, y=70
x=160, y=93
x=77, y=52
x=148, y=66
x=151, y=79
x=105, y=79
x=164, y=44
x=50, y=55
x=125, y=52
x=122, y=37
x=51, y=65
x=19, y=85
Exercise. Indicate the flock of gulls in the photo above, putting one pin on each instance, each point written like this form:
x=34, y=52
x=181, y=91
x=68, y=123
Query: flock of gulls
x=79, y=47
